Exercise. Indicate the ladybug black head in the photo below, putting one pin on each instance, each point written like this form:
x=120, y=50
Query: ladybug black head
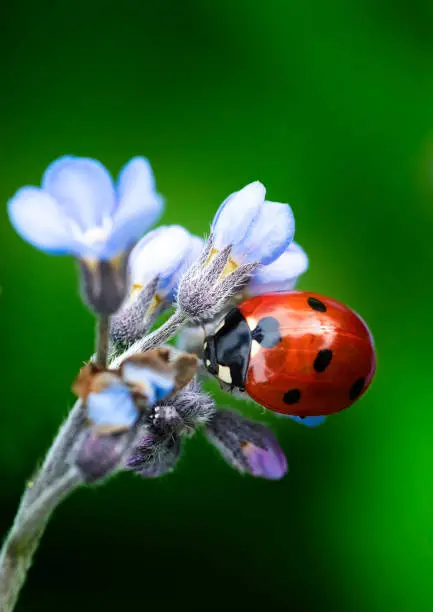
x=227, y=352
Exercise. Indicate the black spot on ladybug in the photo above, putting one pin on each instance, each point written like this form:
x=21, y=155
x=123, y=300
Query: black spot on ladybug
x=322, y=360
x=356, y=389
x=316, y=304
x=267, y=332
x=292, y=397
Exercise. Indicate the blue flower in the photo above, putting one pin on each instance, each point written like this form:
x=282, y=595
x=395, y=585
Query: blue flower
x=280, y=275
x=79, y=211
x=165, y=254
x=259, y=231
x=110, y=404
x=114, y=399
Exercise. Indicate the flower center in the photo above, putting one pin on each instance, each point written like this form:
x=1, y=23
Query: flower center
x=94, y=235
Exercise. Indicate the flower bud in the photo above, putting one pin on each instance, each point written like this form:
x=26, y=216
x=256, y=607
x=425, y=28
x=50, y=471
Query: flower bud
x=99, y=456
x=154, y=456
x=248, y=446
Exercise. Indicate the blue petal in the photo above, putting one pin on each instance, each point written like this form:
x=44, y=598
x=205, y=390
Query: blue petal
x=162, y=385
x=236, y=214
x=152, y=384
x=195, y=249
x=113, y=406
x=313, y=421
x=269, y=235
x=84, y=189
x=282, y=274
x=39, y=219
x=163, y=253
x=139, y=205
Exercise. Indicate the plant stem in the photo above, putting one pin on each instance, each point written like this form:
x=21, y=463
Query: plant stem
x=55, y=463
x=23, y=539
x=102, y=340
x=56, y=477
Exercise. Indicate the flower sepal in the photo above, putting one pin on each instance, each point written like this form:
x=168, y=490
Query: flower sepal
x=104, y=283
x=211, y=283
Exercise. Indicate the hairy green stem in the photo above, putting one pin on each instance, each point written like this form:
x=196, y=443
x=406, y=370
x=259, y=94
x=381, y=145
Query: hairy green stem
x=23, y=539
x=57, y=477
x=102, y=340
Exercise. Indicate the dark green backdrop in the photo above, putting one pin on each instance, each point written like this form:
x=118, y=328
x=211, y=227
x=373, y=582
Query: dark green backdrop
x=331, y=106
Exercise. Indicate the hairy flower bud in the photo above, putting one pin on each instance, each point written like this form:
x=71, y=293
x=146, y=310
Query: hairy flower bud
x=159, y=444
x=248, y=446
x=131, y=323
x=100, y=456
x=209, y=285
x=154, y=456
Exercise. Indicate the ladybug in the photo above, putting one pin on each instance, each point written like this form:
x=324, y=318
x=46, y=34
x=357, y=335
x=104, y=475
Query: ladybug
x=296, y=353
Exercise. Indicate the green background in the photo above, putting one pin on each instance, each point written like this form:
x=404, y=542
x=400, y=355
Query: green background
x=331, y=106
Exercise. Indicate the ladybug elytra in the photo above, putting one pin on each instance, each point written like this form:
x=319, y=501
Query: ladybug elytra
x=296, y=353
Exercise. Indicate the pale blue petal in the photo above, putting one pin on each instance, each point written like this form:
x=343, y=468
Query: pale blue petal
x=139, y=206
x=312, y=421
x=162, y=385
x=195, y=249
x=84, y=189
x=153, y=385
x=236, y=214
x=160, y=253
x=282, y=274
x=114, y=406
x=39, y=219
x=269, y=235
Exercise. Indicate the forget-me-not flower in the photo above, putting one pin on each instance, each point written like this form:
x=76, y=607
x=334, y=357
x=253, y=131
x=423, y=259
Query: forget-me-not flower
x=257, y=230
x=163, y=254
x=156, y=264
x=78, y=210
x=247, y=232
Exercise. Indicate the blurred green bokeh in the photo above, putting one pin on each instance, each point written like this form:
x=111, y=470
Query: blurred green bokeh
x=331, y=106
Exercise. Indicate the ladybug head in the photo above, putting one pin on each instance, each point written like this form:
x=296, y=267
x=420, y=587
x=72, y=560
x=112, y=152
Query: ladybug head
x=227, y=351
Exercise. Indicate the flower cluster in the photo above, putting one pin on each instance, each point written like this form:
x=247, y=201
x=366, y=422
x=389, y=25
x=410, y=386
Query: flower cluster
x=140, y=407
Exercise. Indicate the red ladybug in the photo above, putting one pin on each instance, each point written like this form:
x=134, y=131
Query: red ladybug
x=297, y=353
